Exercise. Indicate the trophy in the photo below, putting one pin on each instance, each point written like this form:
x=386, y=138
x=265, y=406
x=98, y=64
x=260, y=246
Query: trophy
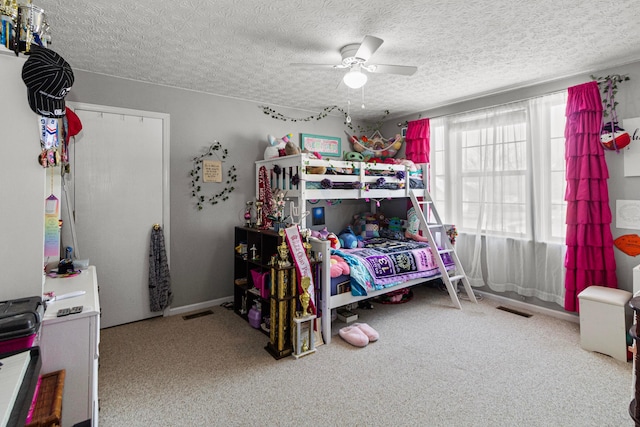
x=283, y=251
x=304, y=297
x=304, y=338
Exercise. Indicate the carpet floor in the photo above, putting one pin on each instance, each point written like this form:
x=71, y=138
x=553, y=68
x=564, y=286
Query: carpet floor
x=433, y=365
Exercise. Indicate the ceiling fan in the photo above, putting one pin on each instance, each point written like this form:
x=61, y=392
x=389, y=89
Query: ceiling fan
x=355, y=58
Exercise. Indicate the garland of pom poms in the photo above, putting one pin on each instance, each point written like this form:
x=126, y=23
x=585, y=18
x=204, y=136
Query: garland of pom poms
x=195, y=177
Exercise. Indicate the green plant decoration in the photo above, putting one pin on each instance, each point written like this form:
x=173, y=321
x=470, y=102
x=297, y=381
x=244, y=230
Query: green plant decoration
x=323, y=114
x=609, y=87
x=196, y=188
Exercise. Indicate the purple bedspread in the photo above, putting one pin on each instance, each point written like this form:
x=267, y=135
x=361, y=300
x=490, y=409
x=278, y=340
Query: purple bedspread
x=390, y=262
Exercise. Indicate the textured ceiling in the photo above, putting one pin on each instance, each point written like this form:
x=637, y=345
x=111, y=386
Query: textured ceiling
x=242, y=49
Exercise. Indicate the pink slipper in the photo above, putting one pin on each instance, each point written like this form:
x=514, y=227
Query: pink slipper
x=354, y=336
x=371, y=333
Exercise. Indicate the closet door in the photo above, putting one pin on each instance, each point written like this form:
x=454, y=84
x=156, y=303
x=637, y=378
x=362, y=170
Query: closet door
x=120, y=183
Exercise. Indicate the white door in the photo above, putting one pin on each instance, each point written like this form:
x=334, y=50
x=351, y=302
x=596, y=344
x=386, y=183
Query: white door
x=119, y=171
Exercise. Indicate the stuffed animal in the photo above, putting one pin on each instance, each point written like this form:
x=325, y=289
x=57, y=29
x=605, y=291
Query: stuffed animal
x=317, y=170
x=353, y=156
x=276, y=147
x=395, y=224
x=334, y=241
x=613, y=137
x=376, y=147
x=397, y=142
x=348, y=239
x=322, y=234
x=409, y=164
x=339, y=266
x=290, y=148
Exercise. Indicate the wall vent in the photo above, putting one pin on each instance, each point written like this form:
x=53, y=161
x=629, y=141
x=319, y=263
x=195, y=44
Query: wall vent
x=194, y=315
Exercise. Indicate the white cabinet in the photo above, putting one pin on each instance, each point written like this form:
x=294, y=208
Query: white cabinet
x=71, y=343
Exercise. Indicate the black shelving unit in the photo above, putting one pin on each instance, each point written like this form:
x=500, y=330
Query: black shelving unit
x=246, y=293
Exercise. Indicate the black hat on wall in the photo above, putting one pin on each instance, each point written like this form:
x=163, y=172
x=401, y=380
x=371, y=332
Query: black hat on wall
x=48, y=78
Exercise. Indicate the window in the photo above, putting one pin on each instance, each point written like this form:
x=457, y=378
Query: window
x=557, y=169
x=498, y=175
x=500, y=171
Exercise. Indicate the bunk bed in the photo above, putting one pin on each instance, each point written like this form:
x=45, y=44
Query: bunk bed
x=306, y=178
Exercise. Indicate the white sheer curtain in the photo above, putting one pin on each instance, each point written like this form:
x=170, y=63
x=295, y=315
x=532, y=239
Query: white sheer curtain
x=501, y=182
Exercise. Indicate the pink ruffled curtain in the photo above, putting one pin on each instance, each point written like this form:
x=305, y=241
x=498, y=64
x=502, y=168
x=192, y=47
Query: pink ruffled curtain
x=589, y=259
x=418, y=134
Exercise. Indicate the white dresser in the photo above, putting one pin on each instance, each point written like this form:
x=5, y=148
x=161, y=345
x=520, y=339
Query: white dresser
x=71, y=343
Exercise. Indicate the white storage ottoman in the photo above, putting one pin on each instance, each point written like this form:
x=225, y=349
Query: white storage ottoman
x=605, y=318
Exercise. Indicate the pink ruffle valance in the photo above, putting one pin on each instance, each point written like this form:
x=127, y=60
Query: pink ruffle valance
x=417, y=141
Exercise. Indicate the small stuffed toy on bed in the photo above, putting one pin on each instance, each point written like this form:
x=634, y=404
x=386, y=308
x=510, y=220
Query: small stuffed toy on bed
x=339, y=266
x=348, y=238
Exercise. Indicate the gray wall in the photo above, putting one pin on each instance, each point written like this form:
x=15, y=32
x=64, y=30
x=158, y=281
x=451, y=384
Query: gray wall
x=202, y=241
x=620, y=187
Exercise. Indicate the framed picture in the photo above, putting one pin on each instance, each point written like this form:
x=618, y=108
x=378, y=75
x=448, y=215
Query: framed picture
x=325, y=145
x=317, y=216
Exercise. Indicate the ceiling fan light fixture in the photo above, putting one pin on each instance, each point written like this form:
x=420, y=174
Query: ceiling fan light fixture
x=355, y=78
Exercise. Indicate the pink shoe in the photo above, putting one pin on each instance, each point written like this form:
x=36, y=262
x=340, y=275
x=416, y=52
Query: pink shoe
x=371, y=333
x=354, y=336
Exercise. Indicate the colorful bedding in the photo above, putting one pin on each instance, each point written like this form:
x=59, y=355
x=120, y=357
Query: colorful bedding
x=384, y=263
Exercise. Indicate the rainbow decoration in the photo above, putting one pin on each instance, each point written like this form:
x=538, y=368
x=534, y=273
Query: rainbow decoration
x=51, y=227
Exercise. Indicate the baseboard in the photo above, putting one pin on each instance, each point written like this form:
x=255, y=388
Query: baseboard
x=173, y=311
x=531, y=307
x=196, y=307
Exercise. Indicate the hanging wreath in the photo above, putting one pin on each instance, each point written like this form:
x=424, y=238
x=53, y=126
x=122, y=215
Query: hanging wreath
x=221, y=153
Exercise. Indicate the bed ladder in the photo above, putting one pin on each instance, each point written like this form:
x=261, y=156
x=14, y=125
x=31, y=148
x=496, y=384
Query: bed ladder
x=450, y=278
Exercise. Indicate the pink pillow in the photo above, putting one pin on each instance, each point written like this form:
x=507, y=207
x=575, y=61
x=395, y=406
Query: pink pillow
x=339, y=266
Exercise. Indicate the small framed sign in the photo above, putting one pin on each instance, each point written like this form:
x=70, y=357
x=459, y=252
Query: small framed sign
x=325, y=145
x=211, y=171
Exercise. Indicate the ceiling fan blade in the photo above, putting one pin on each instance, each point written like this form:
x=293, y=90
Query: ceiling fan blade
x=404, y=70
x=368, y=47
x=308, y=65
